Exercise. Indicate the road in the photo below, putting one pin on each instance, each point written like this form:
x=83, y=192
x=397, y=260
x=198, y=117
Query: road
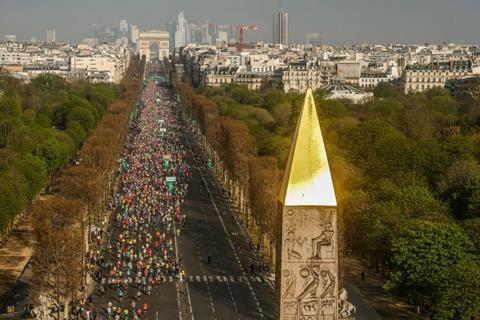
x=227, y=285
x=226, y=288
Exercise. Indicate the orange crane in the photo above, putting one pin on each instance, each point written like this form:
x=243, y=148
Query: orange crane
x=241, y=36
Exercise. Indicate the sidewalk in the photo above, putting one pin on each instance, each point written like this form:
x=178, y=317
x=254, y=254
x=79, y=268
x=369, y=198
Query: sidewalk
x=14, y=257
x=387, y=305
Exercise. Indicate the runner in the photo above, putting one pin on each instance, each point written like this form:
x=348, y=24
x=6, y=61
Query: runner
x=146, y=206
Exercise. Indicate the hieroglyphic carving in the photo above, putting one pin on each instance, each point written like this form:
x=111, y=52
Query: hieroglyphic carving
x=291, y=242
x=323, y=245
x=308, y=282
x=311, y=283
x=290, y=283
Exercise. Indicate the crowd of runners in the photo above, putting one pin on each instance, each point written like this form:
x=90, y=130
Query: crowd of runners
x=147, y=216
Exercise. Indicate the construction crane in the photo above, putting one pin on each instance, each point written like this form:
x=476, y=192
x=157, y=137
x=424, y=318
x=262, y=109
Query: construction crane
x=241, y=36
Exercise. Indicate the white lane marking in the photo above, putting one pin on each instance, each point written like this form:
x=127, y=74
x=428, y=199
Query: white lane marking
x=205, y=278
x=231, y=296
x=198, y=278
x=225, y=279
x=189, y=300
x=233, y=248
x=190, y=278
x=219, y=279
x=259, y=279
x=178, y=302
x=231, y=245
x=232, y=279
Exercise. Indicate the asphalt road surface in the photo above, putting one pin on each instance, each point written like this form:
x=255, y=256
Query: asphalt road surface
x=222, y=279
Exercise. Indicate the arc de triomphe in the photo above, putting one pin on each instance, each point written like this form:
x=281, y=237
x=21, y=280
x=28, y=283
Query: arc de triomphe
x=147, y=38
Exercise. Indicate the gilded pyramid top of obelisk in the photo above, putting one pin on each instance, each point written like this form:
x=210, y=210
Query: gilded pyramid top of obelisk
x=307, y=180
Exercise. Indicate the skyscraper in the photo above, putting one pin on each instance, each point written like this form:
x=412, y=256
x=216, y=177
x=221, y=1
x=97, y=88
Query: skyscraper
x=280, y=27
x=123, y=27
x=134, y=32
x=122, y=34
x=182, y=31
x=51, y=35
x=171, y=28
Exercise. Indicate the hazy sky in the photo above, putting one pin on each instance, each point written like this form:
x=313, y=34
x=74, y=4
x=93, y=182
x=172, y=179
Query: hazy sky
x=337, y=21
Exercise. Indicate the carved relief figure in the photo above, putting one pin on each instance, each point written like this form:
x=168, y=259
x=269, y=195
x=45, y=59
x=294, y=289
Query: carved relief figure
x=327, y=284
x=310, y=309
x=324, y=240
x=328, y=307
x=290, y=283
x=312, y=286
x=290, y=243
x=290, y=307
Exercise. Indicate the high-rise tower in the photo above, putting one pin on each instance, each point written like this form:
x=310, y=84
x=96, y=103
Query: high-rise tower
x=280, y=27
x=51, y=35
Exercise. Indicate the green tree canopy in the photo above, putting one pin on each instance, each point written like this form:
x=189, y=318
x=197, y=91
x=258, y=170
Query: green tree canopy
x=424, y=255
x=459, y=295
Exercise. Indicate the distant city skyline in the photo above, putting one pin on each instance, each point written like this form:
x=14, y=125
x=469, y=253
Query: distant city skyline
x=336, y=22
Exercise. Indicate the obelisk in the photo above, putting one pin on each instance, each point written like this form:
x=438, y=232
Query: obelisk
x=307, y=260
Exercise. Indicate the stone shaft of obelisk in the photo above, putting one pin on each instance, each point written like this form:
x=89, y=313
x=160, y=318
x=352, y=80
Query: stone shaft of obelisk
x=307, y=263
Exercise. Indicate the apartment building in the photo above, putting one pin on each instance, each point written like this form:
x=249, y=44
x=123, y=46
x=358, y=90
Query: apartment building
x=418, y=78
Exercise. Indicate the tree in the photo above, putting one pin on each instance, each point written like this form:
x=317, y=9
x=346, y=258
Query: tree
x=460, y=187
x=382, y=224
x=333, y=109
x=264, y=187
x=459, y=295
x=387, y=90
x=59, y=118
x=49, y=82
x=387, y=108
x=273, y=97
x=444, y=104
x=417, y=122
x=57, y=261
x=472, y=228
x=53, y=153
x=361, y=141
x=10, y=104
x=7, y=129
x=261, y=115
x=75, y=130
x=392, y=156
x=281, y=113
x=82, y=116
x=418, y=202
x=237, y=147
x=13, y=196
x=424, y=255
x=34, y=170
